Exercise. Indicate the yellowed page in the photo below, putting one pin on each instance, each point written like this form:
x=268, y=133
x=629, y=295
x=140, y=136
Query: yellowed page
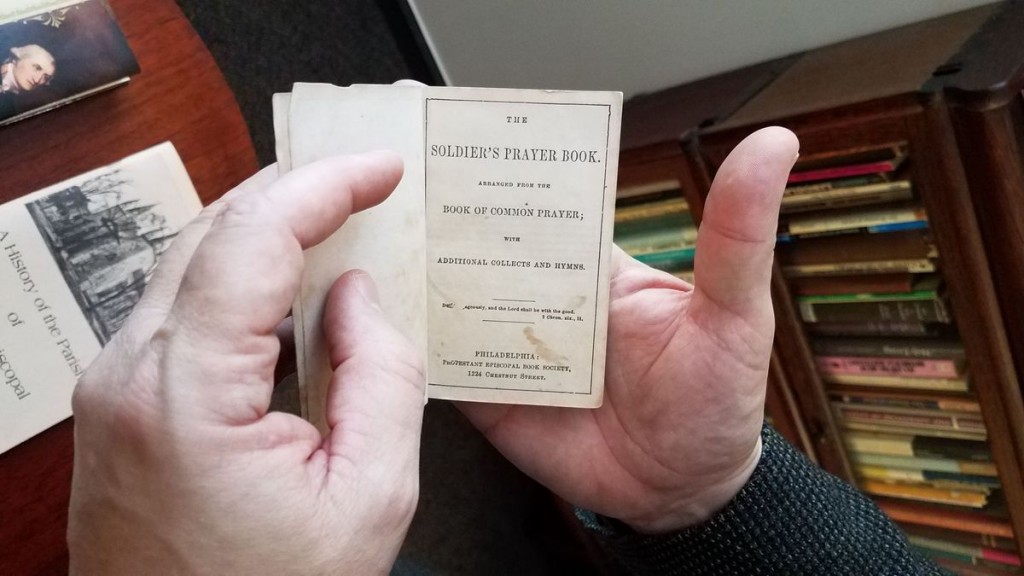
x=512, y=195
x=281, y=104
x=520, y=189
x=76, y=256
x=387, y=241
x=282, y=142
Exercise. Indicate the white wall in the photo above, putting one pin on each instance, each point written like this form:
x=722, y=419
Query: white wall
x=641, y=45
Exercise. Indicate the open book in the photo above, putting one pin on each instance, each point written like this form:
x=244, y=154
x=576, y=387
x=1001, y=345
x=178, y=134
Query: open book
x=53, y=52
x=493, y=253
x=76, y=258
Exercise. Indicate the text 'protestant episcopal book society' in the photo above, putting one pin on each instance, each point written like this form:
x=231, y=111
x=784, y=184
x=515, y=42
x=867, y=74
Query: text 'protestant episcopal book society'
x=492, y=256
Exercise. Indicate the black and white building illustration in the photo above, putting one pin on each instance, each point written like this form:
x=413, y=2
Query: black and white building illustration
x=106, y=244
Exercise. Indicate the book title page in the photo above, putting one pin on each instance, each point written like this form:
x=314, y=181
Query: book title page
x=492, y=254
x=518, y=188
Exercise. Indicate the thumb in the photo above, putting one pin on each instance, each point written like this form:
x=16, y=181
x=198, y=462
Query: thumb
x=733, y=264
x=375, y=399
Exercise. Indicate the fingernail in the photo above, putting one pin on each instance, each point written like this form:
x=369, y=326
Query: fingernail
x=366, y=287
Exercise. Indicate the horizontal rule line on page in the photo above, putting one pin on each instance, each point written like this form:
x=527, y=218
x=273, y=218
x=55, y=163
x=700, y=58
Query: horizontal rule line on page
x=506, y=389
x=507, y=321
x=518, y=102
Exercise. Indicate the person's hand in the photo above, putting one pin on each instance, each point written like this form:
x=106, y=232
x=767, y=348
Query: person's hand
x=679, y=432
x=179, y=467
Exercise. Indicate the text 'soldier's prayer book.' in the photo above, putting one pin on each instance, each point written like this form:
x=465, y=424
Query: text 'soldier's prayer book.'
x=76, y=257
x=493, y=254
x=53, y=52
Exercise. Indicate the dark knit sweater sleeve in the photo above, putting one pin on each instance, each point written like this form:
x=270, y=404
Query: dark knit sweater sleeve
x=790, y=518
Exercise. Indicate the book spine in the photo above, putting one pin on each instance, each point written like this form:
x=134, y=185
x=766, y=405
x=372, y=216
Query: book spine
x=969, y=451
x=834, y=185
x=932, y=552
x=635, y=247
x=981, y=480
x=785, y=237
x=823, y=285
x=907, y=475
x=937, y=384
x=653, y=210
x=1001, y=556
x=817, y=192
x=913, y=266
x=945, y=545
x=648, y=225
x=668, y=259
x=842, y=171
x=890, y=427
x=885, y=311
x=981, y=540
x=658, y=187
x=857, y=220
x=969, y=569
x=860, y=328
x=827, y=194
x=903, y=462
x=885, y=445
x=847, y=201
x=890, y=366
x=925, y=494
x=891, y=347
x=931, y=422
x=947, y=404
x=881, y=297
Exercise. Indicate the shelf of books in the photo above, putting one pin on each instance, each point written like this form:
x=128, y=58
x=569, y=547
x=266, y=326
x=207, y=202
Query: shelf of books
x=653, y=224
x=866, y=277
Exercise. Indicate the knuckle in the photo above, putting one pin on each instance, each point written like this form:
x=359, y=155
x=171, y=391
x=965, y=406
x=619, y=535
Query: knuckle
x=94, y=388
x=253, y=211
x=117, y=391
x=135, y=411
x=243, y=208
x=253, y=221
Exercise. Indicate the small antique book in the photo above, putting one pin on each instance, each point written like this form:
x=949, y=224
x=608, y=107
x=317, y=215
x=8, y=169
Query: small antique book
x=53, y=52
x=76, y=257
x=493, y=253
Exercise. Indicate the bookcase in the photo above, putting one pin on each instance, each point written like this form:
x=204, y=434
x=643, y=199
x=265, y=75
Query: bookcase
x=934, y=112
x=983, y=89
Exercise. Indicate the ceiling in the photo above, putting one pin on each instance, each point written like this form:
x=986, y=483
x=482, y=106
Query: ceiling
x=644, y=45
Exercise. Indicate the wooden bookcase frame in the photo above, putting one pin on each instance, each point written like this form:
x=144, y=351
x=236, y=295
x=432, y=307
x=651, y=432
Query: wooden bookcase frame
x=984, y=91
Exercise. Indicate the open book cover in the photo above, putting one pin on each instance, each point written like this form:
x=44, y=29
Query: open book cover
x=53, y=52
x=76, y=257
x=493, y=253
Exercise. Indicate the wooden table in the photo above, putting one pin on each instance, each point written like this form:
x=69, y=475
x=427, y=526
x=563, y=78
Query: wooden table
x=180, y=96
